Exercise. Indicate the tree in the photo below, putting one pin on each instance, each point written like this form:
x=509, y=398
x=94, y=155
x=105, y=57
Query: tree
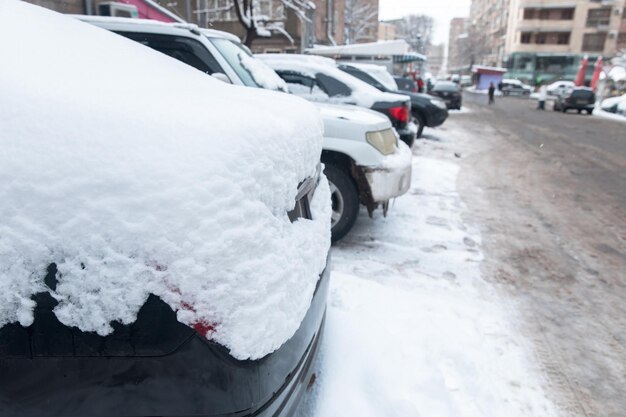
x=361, y=21
x=257, y=25
x=417, y=30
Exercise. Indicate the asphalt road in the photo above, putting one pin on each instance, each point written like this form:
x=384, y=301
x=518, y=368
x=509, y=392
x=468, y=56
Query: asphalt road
x=548, y=191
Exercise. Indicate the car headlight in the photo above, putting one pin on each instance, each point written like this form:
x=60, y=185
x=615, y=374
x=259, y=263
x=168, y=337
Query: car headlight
x=438, y=103
x=384, y=140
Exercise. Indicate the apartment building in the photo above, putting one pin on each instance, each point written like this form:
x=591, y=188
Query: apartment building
x=436, y=59
x=489, y=26
x=457, y=41
x=572, y=26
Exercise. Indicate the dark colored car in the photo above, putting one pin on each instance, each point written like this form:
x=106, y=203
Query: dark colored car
x=580, y=98
x=514, y=87
x=449, y=92
x=406, y=84
x=319, y=79
x=425, y=110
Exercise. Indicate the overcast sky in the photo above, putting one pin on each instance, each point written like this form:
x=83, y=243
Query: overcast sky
x=441, y=10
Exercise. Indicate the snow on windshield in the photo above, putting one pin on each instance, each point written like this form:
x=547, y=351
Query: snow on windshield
x=362, y=94
x=262, y=74
x=380, y=73
x=138, y=174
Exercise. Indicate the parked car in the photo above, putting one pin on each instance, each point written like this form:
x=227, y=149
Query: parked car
x=559, y=88
x=405, y=84
x=579, y=98
x=318, y=79
x=359, y=144
x=515, y=87
x=165, y=235
x=614, y=104
x=426, y=110
x=448, y=91
x=466, y=80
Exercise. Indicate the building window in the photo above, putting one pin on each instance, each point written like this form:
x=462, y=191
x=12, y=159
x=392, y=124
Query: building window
x=529, y=14
x=525, y=37
x=540, y=38
x=621, y=38
x=567, y=14
x=594, y=42
x=598, y=17
x=563, y=38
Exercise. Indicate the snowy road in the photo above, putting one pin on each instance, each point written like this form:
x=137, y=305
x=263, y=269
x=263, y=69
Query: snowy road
x=412, y=328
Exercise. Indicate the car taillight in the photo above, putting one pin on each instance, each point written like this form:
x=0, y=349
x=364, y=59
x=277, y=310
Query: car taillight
x=400, y=113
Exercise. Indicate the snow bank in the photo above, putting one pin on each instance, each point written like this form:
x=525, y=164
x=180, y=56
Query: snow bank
x=362, y=94
x=138, y=174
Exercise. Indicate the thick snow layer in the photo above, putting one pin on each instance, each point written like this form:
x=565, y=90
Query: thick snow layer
x=362, y=94
x=138, y=174
x=412, y=328
x=264, y=76
x=379, y=72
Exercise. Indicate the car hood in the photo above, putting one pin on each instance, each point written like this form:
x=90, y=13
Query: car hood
x=351, y=122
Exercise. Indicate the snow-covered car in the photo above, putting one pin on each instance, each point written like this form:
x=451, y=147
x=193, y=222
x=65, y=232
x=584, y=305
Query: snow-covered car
x=559, y=88
x=318, y=79
x=614, y=104
x=425, y=109
x=579, y=99
x=156, y=258
x=510, y=86
x=359, y=146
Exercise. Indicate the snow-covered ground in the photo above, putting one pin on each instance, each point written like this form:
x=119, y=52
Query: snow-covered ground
x=412, y=328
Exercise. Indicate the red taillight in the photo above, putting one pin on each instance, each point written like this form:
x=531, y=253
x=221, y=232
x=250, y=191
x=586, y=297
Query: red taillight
x=400, y=113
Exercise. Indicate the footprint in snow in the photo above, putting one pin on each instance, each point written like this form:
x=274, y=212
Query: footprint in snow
x=435, y=249
x=450, y=276
x=437, y=221
x=468, y=241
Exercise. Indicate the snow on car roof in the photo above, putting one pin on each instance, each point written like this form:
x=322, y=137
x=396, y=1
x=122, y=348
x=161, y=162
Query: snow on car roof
x=379, y=72
x=309, y=65
x=138, y=174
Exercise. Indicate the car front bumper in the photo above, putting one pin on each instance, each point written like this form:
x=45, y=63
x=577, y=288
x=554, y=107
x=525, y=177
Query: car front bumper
x=390, y=180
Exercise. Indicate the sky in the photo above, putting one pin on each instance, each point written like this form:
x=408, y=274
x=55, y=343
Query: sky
x=441, y=10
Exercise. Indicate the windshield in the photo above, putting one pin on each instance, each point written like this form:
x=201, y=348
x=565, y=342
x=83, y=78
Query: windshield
x=445, y=86
x=235, y=54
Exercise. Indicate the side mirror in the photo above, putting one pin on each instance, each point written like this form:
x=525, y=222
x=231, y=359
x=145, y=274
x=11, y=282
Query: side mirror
x=222, y=77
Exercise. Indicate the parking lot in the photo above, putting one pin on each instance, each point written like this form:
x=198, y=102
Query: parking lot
x=489, y=290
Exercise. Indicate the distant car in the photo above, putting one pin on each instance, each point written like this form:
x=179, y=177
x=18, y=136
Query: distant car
x=558, y=88
x=358, y=143
x=448, y=91
x=159, y=200
x=318, y=79
x=612, y=104
x=426, y=110
x=466, y=80
x=579, y=98
x=515, y=87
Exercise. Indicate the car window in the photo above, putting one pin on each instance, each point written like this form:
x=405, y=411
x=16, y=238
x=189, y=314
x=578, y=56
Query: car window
x=445, y=87
x=405, y=84
x=233, y=53
x=187, y=50
x=332, y=86
x=303, y=86
x=363, y=77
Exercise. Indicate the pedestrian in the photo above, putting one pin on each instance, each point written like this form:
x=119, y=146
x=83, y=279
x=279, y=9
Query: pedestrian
x=543, y=94
x=492, y=92
x=420, y=85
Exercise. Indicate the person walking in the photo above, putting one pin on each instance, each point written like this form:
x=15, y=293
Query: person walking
x=492, y=92
x=543, y=95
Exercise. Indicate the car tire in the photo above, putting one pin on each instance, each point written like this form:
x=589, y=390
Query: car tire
x=564, y=109
x=580, y=111
x=419, y=121
x=345, y=201
x=590, y=111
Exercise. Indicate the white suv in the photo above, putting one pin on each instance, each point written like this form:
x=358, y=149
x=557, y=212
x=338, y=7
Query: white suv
x=364, y=161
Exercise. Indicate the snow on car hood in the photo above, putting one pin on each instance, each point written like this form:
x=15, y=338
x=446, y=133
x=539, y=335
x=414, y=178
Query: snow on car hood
x=138, y=174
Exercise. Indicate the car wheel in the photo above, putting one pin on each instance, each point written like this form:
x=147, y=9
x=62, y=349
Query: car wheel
x=345, y=201
x=589, y=111
x=564, y=109
x=580, y=111
x=419, y=122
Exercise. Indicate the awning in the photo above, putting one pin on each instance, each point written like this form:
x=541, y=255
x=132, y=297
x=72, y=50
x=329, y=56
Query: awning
x=372, y=49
